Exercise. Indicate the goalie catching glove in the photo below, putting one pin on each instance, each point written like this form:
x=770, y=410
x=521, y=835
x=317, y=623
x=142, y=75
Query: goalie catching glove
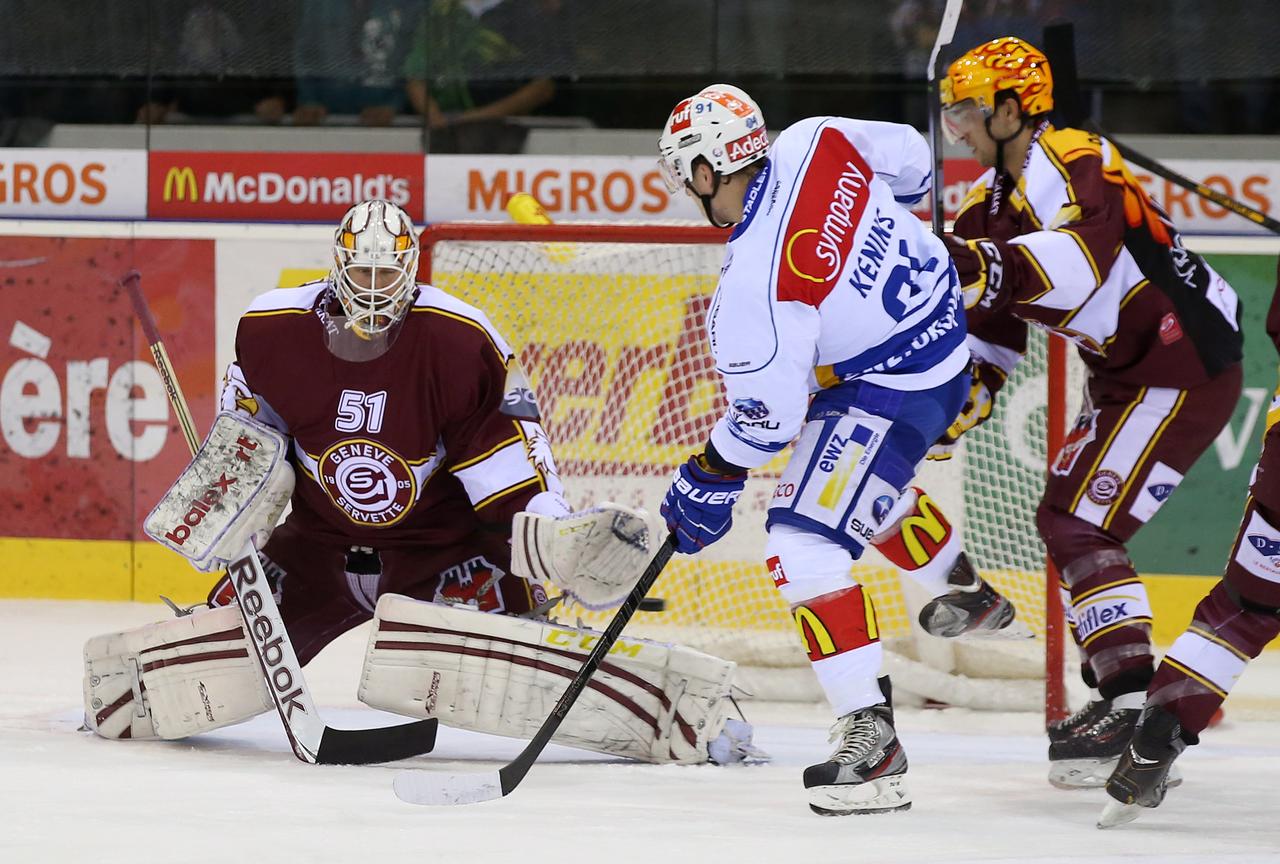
x=595, y=556
x=987, y=379
x=232, y=493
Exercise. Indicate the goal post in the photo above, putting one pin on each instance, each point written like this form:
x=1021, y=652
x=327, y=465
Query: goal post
x=607, y=323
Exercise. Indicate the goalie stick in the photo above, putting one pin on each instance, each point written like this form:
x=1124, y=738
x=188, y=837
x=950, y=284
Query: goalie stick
x=1059, y=47
x=946, y=32
x=434, y=787
x=312, y=741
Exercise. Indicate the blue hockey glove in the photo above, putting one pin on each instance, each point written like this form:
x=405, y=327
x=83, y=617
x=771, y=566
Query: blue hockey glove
x=699, y=505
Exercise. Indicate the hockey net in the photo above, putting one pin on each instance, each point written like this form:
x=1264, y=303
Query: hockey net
x=607, y=323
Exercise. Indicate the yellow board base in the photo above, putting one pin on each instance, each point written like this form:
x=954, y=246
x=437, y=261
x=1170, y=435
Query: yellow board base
x=142, y=571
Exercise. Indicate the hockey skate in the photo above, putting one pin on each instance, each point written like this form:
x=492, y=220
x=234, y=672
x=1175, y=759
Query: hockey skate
x=972, y=605
x=1091, y=713
x=1085, y=757
x=1145, y=770
x=866, y=773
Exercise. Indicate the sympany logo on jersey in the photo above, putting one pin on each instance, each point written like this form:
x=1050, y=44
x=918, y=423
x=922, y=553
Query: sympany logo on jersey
x=369, y=482
x=819, y=233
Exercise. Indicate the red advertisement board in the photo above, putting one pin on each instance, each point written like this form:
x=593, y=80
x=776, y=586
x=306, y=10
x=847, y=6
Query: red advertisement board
x=88, y=441
x=286, y=187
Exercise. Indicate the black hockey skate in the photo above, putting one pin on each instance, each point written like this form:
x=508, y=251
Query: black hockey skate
x=1144, y=773
x=1091, y=713
x=866, y=773
x=972, y=606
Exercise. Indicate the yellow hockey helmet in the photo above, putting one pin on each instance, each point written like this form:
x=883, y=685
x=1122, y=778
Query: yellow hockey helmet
x=1007, y=63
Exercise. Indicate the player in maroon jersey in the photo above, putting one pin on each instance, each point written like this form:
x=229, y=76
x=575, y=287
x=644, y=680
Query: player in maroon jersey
x=418, y=472
x=1230, y=626
x=415, y=436
x=1058, y=234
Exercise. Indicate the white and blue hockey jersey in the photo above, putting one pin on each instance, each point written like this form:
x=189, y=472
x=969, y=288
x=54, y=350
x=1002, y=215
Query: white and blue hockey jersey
x=829, y=279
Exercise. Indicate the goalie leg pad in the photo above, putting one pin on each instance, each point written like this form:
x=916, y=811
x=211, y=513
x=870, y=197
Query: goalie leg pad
x=173, y=679
x=492, y=673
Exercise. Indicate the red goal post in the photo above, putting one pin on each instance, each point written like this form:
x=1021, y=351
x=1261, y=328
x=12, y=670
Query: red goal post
x=606, y=320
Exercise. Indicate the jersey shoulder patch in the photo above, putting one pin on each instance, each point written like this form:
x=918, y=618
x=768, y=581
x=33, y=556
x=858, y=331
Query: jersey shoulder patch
x=1067, y=145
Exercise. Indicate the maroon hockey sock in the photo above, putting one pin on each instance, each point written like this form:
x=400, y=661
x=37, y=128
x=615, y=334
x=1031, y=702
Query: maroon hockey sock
x=1205, y=661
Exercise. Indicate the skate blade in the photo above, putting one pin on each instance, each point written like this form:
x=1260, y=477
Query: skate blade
x=1114, y=813
x=882, y=795
x=1081, y=773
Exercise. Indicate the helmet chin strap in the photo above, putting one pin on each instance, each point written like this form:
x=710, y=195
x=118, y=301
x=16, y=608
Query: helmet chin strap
x=706, y=200
x=1000, y=142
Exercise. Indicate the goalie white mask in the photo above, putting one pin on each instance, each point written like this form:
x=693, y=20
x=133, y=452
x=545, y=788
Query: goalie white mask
x=375, y=264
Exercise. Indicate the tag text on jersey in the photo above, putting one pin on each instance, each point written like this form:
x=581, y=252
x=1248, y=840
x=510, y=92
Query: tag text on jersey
x=279, y=669
x=871, y=255
x=703, y=496
x=819, y=234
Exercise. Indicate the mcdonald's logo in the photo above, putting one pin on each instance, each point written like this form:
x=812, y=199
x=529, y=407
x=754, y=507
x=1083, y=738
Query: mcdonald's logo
x=180, y=185
x=837, y=622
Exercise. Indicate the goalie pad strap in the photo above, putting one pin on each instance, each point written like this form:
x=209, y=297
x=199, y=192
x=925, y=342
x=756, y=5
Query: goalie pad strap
x=614, y=669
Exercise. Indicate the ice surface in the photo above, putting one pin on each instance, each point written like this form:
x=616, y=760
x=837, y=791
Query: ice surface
x=236, y=795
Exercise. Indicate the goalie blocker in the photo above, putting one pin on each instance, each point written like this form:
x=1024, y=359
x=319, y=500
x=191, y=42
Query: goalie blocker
x=649, y=701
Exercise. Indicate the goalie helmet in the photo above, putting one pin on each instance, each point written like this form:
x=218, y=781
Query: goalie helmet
x=1007, y=63
x=722, y=124
x=375, y=265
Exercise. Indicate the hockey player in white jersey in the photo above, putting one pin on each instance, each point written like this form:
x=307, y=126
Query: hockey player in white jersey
x=838, y=325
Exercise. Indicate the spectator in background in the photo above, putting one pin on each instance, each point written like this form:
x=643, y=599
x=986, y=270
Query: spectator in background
x=211, y=47
x=349, y=56
x=454, y=42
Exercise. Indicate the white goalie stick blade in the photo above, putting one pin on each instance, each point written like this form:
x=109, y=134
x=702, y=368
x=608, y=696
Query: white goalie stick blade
x=1114, y=813
x=440, y=789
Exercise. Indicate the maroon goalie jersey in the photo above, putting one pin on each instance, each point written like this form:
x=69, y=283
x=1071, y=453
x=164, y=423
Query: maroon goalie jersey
x=435, y=438
x=1086, y=253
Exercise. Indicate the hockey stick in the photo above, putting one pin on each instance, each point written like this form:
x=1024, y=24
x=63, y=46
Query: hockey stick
x=311, y=739
x=430, y=787
x=946, y=32
x=1059, y=47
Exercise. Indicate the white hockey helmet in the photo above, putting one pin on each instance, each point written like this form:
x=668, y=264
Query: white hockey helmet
x=722, y=124
x=375, y=253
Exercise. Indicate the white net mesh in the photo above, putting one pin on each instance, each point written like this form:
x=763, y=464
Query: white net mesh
x=610, y=335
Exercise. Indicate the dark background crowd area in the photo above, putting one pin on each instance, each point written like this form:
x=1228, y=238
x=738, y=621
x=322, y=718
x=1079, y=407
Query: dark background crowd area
x=1161, y=66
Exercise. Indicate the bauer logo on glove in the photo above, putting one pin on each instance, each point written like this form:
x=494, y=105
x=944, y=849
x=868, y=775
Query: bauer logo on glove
x=233, y=491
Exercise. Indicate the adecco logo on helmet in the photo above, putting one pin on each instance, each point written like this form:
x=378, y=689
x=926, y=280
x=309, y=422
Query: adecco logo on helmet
x=87, y=183
x=820, y=230
x=748, y=145
x=278, y=186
